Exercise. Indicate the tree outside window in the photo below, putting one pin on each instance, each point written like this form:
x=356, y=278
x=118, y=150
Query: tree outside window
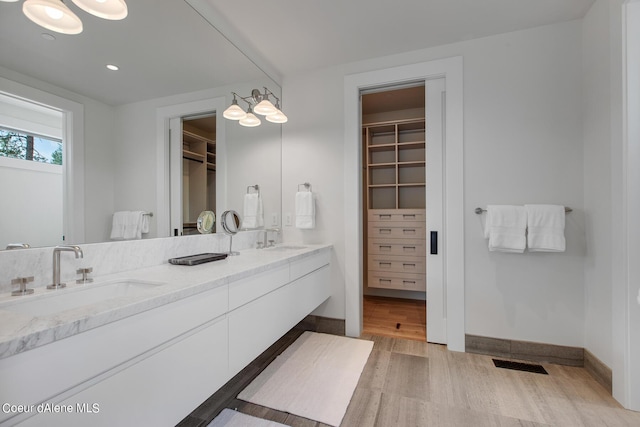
x=25, y=146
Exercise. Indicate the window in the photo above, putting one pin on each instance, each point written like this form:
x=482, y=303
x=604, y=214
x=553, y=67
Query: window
x=27, y=146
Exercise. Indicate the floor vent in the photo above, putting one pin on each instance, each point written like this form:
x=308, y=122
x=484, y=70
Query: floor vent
x=517, y=366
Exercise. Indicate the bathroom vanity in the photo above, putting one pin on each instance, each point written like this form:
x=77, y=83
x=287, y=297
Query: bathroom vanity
x=158, y=342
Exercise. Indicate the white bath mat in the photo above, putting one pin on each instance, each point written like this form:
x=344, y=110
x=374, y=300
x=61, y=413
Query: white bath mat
x=229, y=418
x=314, y=378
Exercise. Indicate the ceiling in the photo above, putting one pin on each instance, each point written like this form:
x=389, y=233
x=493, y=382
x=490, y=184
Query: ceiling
x=299, y=36
x=161, y=50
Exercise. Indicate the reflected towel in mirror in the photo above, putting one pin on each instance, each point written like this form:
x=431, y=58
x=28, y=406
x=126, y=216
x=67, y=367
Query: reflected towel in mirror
x=253, y=212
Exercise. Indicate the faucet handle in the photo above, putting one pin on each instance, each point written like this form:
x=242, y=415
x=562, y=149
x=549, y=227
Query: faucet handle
x=85, y=275
x=22, y=281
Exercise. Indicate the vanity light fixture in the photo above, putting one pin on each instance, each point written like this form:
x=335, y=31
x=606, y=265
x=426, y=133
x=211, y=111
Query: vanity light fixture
x=258, y=103
x=54, y=15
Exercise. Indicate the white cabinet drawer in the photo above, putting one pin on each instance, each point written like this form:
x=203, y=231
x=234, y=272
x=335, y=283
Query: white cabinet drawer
x=245, y=290
x=397, y=264
x=308, y=264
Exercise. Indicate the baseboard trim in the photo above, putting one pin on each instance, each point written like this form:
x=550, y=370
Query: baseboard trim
x=541, y=353
x=598, y=370
x=325, y=325
x=525, y=350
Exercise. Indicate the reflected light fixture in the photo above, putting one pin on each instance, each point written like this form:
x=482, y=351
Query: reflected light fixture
x=105, y=9
x=234, y=112
x=258, y=103
x=250, y=120
x=54, y=15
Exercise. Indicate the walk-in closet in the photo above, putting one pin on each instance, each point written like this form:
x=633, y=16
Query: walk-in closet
x=394, y=211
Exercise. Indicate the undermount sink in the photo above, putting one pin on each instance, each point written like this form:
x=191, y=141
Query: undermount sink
x=60, y=300
x=286, y=248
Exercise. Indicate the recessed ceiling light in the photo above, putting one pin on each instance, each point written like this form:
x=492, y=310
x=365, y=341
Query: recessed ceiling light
x=113, y=67
x=48, y=36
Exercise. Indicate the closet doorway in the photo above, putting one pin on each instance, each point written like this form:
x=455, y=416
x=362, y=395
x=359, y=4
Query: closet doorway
x=401, y=201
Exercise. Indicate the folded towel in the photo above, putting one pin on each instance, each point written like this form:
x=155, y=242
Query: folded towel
x=305, y=210
x=545, y=224
x=253, y=214
x=127, y=225
x=506, y=227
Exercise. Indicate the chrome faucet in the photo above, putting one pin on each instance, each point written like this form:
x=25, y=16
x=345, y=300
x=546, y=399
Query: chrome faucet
x=56, y=263
x=266, y=243
x=18, y=246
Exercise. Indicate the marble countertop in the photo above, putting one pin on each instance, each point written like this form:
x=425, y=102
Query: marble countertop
x=20, y=332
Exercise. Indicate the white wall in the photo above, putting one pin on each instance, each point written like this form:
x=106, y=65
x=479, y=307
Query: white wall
x=523, y=144
x=597, y=181
x=34, y=184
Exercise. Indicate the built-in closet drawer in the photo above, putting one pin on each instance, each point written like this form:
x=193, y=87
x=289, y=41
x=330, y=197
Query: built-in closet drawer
x=406, y=247
x=396, y=215
x=397, y=264
x=400, y=230
x=402, y=281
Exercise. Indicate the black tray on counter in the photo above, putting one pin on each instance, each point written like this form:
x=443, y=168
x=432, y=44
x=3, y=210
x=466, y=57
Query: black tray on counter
x=197, y=259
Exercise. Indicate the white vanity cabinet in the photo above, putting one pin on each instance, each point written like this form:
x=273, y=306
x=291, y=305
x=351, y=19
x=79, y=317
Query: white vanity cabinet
x=155, y=367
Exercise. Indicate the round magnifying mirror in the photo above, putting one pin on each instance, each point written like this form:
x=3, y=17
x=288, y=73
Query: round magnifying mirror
x=230, y=221
x=206, y=222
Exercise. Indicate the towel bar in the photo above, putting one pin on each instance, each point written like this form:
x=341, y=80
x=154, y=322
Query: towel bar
x=480, y=210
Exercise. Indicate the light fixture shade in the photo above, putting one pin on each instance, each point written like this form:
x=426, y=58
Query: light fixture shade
x=52, y=15
x=9, y=1
x=234, y=112
x=278, y=117
x=251, y=120
x=265, y=107
x=105, y=9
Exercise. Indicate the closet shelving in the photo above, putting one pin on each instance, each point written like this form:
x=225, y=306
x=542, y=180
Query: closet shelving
x=395, y=162
x=198, y=177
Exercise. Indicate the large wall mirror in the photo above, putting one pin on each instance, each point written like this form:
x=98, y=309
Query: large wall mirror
x=115, y=131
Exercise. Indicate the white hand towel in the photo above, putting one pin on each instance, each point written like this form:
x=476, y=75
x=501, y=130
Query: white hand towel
x=133, y=226
x=305, y=210
x=506, y=228
x=545, y=225
x=118, y=225
x=253, y=215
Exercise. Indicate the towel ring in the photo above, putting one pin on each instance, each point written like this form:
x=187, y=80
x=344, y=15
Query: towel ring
x=256, y=189
x=306, y=185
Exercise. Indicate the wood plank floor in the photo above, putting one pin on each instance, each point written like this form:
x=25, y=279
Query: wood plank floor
x=394, y=317
x=408, y=383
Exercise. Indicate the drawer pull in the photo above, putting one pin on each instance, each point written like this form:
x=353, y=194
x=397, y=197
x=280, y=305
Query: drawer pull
x=409, y=265
x=385, y=231
x=385, y=247
x=384, y=281
x=385, y=216
x=408, y=216
x=409, y=230
x=385, y=264
x=409, y=282
x=409, y=248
